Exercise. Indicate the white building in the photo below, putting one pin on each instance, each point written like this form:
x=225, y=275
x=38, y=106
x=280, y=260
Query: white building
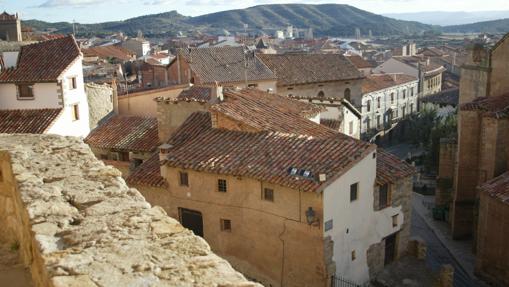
x=45, y=80
x=386, y=99
x=139, y=46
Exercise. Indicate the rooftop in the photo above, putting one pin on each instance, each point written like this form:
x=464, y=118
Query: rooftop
x=379, y=82
x=196, y=94
x=359, y=62
x=110, y=51
x=497, y=188
x=294, y=69
x=225, y=65
x=390, y=169
x=125, y=133
x=43, y=61
x=445, y=97
x=148, y=173
x=497, y=107
x=27, y=121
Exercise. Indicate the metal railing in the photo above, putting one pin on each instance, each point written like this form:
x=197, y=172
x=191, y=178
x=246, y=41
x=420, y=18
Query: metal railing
x=338, y=281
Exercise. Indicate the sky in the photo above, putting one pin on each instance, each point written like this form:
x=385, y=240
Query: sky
x=94, y=11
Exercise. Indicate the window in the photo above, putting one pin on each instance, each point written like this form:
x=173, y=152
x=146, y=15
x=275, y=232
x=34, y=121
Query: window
x=226, y=225
x=184, y=178
x=378, y=124
x=75, y=112
x=353, y=255
x=383, y=194
x=137, y=162
x=368, y=105
x=392, y=98
x=403, y=111
x=412, y=92
x=321, y=94
x=348, y=94
x=25, y=92
x=221, y=185
x=252, y=85
x=368, y=123
x=411, y=108
x=268, y=194
x=73, y=83
x=290, y=88
x=350, y=127
x=394, y=220
x=378, y=102
x=404, y=94
x=353, y=191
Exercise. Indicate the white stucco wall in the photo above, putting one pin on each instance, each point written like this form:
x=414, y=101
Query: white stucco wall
x=45, y=96
x=10, y=58
x=385, y=103
x=356, y=225
x=350, y=117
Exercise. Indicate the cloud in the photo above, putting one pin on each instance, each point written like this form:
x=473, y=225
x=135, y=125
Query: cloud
x=69, y=3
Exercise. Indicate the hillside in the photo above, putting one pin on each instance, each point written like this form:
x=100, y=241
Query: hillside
x=449, y=18
x=326, y=19
x=496, y=26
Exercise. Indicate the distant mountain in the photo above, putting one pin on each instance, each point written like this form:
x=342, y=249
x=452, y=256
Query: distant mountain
x=494, y=27
x=444, y=18
x=326, y=19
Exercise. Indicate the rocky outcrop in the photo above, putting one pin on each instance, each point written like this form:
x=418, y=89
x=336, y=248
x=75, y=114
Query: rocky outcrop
x=78, y=224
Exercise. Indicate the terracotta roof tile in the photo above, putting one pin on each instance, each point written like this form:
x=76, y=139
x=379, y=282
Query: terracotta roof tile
x=379, y=82
x=43, y=62
x=359, y=62
x=148, y=173
x=195, y=93
x=390, y=169
x=266, y=156
x=127, y=133
x=331, y=123
x=225, y=65
x=293, y=69
x=497, y=107
x=27, y=121
x=497, y=187
x=270, y=112
x=110, y=51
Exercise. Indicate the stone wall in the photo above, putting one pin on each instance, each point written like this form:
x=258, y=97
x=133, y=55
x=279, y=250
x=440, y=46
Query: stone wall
x=170, y=115
x=78, y=224
x=100, y=102
x=446, y=166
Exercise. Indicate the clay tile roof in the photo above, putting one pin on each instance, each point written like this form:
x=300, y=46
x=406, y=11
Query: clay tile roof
x=445, y=97
x=497, y=187
x=292, y=69
x=110, y=51
x=148, y=173
x=27, y=121
x=225, y=65
x=126, y=133
x=266, y=155
x=390, y=169
x=194, y=93
x=497, y=107
x=331, y=123
x=270, y=112
x=43, y=62
x=378, y=82
x=359, y=62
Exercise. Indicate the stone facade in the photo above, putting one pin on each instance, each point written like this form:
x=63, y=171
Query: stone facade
x=78, y=224
x=447, y=158
x=170, y=115
x=10, y=27
x=100, y=102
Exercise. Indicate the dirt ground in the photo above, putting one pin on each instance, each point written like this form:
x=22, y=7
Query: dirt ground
x=12, y=272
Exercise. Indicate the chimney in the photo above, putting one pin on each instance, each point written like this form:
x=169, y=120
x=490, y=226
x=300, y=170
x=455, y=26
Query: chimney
x=216, y=93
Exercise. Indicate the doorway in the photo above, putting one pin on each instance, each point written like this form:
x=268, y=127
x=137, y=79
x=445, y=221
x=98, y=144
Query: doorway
x=390, y=248
x=192, y=220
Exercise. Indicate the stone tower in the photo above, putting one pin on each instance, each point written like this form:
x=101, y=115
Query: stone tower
x=10, y=27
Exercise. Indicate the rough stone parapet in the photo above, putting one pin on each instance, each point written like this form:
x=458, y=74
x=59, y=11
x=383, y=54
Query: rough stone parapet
x=79, y=224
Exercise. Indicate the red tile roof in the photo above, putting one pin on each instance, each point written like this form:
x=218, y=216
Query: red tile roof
x=497, y=188
x=379, y=82
x=270, y=112
x=497, y=107
x=27, y=121
x=148, y=173
x=126, y=133
x=331, y=123
x=293, y=69
x=390, y=169
x=43, y=62
x=195, y=93
x=110, y=51
x=266, y=156
x=225, y=65
x=359, y=62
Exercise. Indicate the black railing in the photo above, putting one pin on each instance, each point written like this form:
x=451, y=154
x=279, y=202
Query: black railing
x=338, y=281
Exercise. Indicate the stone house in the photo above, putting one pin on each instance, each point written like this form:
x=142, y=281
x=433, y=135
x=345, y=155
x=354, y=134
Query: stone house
x=124, y=141
x=243, y=173
x=428, y=72
x=46, y=76
x=386, y=100
x=327, y=80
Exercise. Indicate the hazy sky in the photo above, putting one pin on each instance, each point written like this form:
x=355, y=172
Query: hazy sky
x=90, y=11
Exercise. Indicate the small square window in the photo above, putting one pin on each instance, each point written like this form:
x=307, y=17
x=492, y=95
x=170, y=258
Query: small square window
x=75, y=112
x=374, y=155
x=25, y=92
x=184, y=179
x=353, y=191
x=221, y=185
x=394, y=220
x=353, y=255
x=73, y=83
x=226, y=225
x=268, y=194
